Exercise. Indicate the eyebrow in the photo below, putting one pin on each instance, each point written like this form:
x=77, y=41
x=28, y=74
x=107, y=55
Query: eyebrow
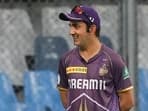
x=74, y=23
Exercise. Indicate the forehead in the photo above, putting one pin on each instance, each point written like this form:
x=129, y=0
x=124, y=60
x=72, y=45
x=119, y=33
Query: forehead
x=77, y=23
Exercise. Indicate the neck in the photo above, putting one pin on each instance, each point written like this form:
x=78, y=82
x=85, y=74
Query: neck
x=91, y=50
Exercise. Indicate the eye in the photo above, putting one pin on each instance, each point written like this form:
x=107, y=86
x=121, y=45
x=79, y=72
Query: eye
x=75, y=25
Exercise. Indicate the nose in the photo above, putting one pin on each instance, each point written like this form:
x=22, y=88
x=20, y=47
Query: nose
x=71, y=31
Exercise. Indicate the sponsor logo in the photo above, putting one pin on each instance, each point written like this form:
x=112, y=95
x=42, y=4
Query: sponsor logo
x=82, y=70
x=89, y=84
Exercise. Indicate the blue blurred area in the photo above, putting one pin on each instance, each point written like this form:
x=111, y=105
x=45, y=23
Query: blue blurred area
x=40, y=84
x=143, y=89
x=7, y=94
x=41, y=93
x=41, y=90
x=48, y=50
x=107, y=41
x=8, y=99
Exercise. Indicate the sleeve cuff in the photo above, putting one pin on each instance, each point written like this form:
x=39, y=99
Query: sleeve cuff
x=124, y=90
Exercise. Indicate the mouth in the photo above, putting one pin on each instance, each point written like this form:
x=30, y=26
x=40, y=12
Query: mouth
x=75, y=38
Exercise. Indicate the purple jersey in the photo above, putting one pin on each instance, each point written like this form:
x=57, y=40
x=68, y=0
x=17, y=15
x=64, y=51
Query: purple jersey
x=93, y=85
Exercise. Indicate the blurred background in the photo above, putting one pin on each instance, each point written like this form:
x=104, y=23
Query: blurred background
x=32, y=38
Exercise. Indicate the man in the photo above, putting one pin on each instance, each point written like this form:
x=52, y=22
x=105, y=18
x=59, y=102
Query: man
x=92, y=76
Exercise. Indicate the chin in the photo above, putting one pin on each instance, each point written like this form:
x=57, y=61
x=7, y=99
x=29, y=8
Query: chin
x=76, y=44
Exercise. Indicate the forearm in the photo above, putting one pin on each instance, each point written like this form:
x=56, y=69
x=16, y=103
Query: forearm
x=126, y=100
x=64, y=98
x=64, y=101
x=124, y=107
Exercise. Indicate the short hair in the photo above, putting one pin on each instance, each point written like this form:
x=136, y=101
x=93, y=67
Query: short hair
x=97, y=29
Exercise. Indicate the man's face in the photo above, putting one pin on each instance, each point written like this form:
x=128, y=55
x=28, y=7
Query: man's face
x=78, y=30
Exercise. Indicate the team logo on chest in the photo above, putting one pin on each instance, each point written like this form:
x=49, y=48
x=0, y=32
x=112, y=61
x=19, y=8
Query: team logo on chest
x=103, y=70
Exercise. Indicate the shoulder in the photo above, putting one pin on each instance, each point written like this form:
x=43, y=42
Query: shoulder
x=113, y=56
x=68, y=55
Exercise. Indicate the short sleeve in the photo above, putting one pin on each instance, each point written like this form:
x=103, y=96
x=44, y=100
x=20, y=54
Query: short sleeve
x=121, y=75
x=63, y=80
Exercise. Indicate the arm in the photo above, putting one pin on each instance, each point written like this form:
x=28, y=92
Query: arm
x=123, y=84
x=63, y=83
x=64, y=97
x=126, y=99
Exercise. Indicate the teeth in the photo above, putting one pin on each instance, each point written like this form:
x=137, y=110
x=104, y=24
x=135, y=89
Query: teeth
x=75, y=37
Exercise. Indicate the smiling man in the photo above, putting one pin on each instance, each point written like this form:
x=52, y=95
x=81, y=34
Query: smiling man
x=93, y=77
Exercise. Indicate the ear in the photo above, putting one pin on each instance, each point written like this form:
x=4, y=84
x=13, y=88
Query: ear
x=92, y=28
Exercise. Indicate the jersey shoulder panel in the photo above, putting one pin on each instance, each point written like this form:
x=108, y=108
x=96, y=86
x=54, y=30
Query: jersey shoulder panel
x=68, y=55
x=115, y=58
